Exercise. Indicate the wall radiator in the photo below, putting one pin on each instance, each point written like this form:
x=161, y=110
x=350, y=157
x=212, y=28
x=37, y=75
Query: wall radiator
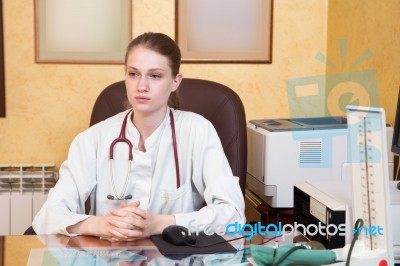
x=23, y=190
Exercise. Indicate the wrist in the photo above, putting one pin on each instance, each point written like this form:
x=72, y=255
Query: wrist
x=159, y=223
x=93, y=226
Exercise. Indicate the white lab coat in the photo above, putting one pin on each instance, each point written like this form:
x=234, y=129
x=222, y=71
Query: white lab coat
x=204, y=171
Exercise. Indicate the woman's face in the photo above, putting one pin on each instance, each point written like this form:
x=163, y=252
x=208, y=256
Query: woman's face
x=149, y=81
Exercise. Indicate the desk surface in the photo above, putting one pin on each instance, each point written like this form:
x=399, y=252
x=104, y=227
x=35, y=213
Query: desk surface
x=40, y=250
x=16, y=250
x=84, y=250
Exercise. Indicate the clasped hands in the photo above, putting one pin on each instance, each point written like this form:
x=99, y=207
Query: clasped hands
x=130, y=222
x=127, y=223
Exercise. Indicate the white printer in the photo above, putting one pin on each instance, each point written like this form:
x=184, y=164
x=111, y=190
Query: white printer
x=285, y=152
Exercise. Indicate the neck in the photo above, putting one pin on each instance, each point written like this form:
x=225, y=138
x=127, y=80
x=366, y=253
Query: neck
x=146, y=123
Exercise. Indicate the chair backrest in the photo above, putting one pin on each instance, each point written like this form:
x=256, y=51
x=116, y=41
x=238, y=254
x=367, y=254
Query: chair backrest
x=216, y=102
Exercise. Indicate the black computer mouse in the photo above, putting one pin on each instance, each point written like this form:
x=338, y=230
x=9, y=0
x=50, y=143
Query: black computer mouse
x=178, y=235
x=398, y=185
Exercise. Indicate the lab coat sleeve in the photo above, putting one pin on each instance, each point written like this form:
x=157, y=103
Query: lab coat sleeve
x=65, y=204
x=213, y=175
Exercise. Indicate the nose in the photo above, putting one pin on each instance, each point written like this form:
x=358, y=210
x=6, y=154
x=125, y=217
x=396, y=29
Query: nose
x=143, y=85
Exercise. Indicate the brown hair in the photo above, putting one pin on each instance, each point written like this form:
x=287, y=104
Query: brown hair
x=164, y=45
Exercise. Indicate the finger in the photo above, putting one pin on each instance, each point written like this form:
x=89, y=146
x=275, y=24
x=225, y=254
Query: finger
x=124, y=234
x=124, y=213
x=124, y=205
x=127, y=222
x=140, y=212
x=134, y=204
x=121, y=224
x=129, y=211
x=116, y=234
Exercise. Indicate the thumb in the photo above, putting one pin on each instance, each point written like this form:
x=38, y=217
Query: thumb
x=135, y=203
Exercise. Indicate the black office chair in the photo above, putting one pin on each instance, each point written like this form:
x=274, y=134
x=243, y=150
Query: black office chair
x=216, y=102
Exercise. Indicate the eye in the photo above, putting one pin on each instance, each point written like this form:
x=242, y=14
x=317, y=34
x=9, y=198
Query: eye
x=133, y=74
x=155, y=76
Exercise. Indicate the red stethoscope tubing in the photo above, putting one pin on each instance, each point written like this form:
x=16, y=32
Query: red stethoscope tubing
x=122, y=138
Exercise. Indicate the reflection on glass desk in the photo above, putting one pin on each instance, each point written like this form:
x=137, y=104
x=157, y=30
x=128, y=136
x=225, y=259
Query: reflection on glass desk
x=86, y=250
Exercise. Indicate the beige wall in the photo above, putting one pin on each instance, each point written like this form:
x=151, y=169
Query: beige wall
x=48, y=104
x=369, y=25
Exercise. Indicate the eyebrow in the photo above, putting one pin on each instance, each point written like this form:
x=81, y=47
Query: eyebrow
x=152, y=69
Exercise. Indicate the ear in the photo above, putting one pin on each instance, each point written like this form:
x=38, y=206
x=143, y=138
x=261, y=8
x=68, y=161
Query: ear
x=176, y=82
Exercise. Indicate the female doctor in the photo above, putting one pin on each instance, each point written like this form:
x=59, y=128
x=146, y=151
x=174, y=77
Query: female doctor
x=166, y=167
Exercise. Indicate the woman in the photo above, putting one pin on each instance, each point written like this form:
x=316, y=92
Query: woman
x=161, y=184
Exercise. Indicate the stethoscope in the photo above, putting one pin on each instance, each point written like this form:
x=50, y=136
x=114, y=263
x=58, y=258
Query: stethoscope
x=122, y=138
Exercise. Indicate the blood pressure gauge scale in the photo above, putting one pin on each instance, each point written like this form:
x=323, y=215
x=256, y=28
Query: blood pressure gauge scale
x=370, y=179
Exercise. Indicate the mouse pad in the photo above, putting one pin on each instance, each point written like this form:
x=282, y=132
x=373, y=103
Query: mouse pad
x=168, y=249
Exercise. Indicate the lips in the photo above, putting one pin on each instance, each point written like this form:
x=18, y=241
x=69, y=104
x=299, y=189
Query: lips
x=142, y=99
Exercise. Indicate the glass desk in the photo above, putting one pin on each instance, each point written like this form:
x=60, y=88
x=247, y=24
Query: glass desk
x=86, y=250
x=49, y=250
